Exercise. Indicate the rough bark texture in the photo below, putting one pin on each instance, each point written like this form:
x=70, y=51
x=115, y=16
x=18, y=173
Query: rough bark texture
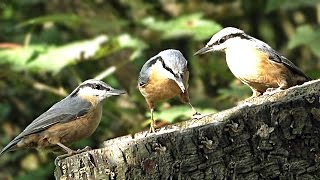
x=269, y=137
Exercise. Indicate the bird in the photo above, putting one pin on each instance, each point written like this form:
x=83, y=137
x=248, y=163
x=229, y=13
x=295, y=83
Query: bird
x=163, y=77
x=254, y=62
x=73, y=118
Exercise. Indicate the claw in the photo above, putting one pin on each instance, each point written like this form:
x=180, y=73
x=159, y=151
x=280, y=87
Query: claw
x=271, y=91
x=197, y=115
x=87, y=148
x=152, y=129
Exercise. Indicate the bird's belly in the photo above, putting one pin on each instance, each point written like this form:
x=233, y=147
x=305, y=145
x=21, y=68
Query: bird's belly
x=256, y=70
x=243, y=65
x=160, y=89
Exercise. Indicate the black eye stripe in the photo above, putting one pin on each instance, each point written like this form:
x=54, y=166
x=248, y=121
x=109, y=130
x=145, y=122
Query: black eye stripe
x=225, y=38
x=95, y=86
x=166, y=67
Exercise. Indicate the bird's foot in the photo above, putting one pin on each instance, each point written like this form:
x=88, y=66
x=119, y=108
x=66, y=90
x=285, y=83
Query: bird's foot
x=87, y=148
x=152, y=128
x=271, y=91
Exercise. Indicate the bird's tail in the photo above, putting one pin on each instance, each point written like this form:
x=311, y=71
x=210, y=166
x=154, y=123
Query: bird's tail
x=301, y=79
x=10, y=146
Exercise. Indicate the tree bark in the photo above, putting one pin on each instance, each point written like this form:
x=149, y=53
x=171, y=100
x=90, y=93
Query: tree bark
x=268, y=137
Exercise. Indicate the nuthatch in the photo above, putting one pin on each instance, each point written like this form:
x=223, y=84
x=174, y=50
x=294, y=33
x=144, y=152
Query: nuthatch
x=162, y=77
x=73, y=118
x=254, y=62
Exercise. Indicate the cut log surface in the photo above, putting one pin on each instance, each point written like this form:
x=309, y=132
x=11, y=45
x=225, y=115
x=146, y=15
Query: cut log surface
x=268, y=137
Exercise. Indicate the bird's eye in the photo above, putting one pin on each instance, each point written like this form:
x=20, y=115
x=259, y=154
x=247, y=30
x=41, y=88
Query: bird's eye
x=97, y=86
x=222, y=40
x=107, y=89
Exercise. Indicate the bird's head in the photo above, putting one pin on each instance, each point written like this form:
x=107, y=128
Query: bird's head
x=224, y=39
x=95, y=90
x=172, y=64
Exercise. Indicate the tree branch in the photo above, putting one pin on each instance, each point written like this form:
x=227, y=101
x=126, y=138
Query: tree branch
x=267, y=137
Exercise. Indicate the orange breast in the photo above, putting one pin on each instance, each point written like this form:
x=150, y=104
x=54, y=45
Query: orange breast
x=159, y=87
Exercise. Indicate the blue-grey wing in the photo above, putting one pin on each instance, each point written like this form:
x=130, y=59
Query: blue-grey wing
x=146, y=71
x=276, y=57
x=65, y=110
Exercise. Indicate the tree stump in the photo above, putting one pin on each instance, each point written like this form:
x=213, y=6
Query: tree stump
x=268, y=137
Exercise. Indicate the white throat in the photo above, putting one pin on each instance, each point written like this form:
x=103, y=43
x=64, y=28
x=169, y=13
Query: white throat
x=241, y=58
x=161, y=70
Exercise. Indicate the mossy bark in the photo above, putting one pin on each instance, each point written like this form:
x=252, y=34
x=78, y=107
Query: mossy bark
x=272, y=136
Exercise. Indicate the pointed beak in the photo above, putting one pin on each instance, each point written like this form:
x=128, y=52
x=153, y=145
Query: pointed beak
x=116, y=92
x=204, y=50
x=179, y=81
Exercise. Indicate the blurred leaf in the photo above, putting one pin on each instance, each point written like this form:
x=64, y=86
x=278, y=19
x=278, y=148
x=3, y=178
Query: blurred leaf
x=235, y=92
x=4, y=110
x=68, y=19
x=174, y=113
x=127, y=41
x=289, y=4
x=303, y=35
x=30, y=162
x=192, y=25
x=44, y=58
x=307, y=36
x=40, y=173
x=99, y=25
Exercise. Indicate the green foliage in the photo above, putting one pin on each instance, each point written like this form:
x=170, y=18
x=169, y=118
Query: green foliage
x=127, y=41
x=4, y=110
x=45, y=58
x=175, y=113
x=234, y=92
x=188, y=25
x=48, y=47
x=289, y=4
x=39, y=173
x=306, y=36
x=66, y=19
